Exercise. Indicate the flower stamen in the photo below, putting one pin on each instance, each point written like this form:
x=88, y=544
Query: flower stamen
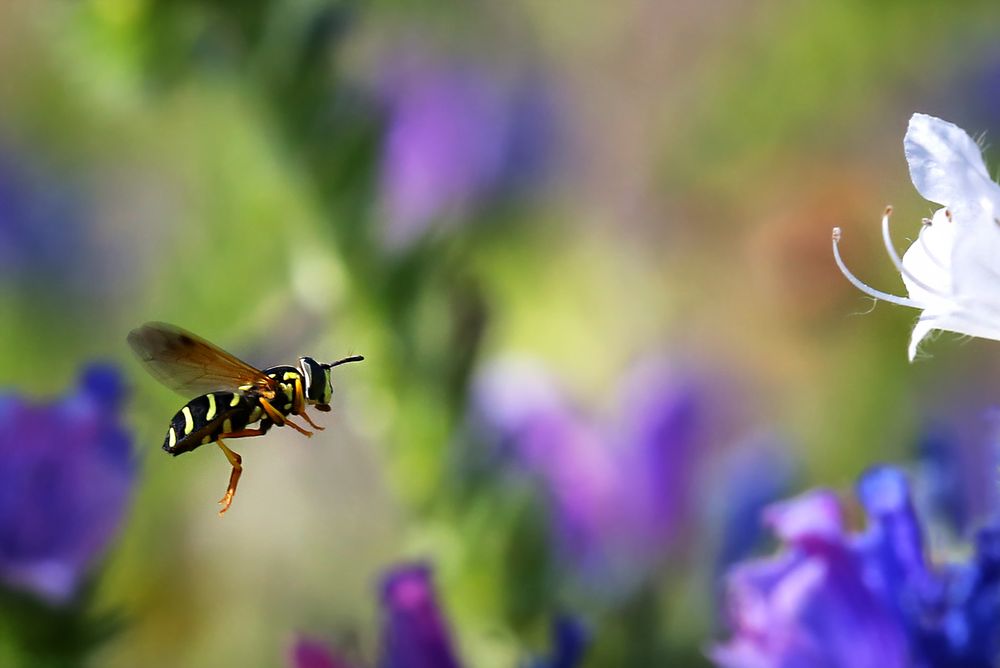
x=927, y=250
x=898, y=261
x=865, y=288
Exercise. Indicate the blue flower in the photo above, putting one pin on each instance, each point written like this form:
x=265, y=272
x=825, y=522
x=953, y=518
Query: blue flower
x=456, y=136
x=66, y=476
x=871, y=599
x=569, y=643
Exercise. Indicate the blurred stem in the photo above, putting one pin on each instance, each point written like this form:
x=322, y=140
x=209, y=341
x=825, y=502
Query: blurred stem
x=42, y=635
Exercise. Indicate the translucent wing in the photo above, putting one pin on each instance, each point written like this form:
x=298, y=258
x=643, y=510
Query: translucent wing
x=190, y=365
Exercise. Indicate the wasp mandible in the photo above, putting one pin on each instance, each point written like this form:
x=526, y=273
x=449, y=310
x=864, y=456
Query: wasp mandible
x=234, y=396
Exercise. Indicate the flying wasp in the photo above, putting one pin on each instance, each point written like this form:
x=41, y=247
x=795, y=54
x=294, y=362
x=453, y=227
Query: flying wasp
x=234, y=396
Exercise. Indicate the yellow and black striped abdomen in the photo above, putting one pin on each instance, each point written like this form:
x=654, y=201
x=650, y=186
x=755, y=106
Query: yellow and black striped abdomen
x=207, y=417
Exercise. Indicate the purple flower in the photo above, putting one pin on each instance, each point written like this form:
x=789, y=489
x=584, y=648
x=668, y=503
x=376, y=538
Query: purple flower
x=309, y=653
x=619, y=490
x=66, y=475
x=456, y=136
x=837, y=598
x=414, y=633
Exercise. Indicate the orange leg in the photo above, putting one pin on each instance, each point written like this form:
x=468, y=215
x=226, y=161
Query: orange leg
x=237, y=463
x=311, y=423
x=234, y=477
x=280, y=420
x=300, y=405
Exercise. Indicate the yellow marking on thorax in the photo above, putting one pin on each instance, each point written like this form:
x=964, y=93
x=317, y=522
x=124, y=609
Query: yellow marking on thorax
x=255, y=414
x=173, y=437
x=290, y=375
x=235, y=400
x=188, y=421
x=211, y=407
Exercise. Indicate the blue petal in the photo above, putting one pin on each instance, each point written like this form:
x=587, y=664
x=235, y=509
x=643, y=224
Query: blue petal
x=104, y=383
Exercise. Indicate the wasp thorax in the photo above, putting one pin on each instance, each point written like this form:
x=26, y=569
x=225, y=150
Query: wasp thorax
x=316, y=380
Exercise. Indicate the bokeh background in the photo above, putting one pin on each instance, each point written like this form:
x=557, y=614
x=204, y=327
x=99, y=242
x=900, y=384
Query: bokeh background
x=618, y=213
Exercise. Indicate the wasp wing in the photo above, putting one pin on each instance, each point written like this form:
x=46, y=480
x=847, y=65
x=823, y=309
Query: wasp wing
x=190, y=365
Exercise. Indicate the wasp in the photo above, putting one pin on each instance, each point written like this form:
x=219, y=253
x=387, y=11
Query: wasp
x=236, y=400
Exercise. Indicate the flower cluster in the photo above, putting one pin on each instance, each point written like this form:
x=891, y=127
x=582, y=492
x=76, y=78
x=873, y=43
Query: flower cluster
x=868, y=600
x=950, y=270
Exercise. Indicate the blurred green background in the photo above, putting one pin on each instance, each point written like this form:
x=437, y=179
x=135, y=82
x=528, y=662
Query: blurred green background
x=217, y=165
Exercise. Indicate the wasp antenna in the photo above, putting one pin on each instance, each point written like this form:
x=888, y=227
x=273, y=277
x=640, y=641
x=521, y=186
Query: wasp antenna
x=352, y=358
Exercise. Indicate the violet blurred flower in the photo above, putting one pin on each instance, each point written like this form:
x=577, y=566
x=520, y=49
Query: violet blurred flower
x=414, y=633
x=41, y=236
x=66, y=475
x=456, y=136
x=866, y=600
x=958, y=461
x=752, y=476
x=619, y=491
x=309, y=653
x=974, y=92
x=569, y=643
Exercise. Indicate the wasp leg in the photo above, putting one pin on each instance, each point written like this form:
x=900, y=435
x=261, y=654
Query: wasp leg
x=300, y=405
x=311, y=423
x=237, y=463
x=234, y=477
x=279, y=419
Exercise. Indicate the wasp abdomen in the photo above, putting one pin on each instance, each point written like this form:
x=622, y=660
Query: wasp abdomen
x=207, y=417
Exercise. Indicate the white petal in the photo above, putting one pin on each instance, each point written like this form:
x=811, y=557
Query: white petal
x=976, y=258
x=946, y=166
x=924, y=327
x=970, y=322
x=928, y=260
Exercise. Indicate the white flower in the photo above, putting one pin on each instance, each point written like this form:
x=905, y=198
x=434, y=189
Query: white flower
x=952, y=270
